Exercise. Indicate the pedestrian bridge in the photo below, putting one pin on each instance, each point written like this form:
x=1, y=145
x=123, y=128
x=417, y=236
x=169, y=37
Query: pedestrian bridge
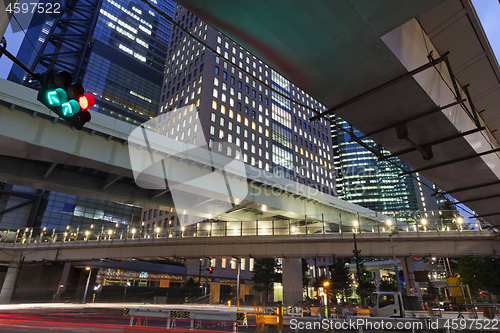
x=313, y=236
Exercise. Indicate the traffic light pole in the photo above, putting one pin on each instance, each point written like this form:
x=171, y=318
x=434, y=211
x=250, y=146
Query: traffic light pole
x=58, y=94
x=238, y=264
x=3, y=50
x=358, y=272
x=396, y=269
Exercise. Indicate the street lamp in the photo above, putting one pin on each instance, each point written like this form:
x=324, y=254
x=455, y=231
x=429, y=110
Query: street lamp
x=396, y=270
x=327, y=306
x=87, y=286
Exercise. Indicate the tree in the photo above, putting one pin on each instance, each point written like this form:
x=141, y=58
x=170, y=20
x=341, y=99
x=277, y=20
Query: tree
x=266, y=272
x=479, y=274
x=432, y=292
x=366, y=286
x=341, y=278
x=306, y=277
x=389, y=284
x=192, y=290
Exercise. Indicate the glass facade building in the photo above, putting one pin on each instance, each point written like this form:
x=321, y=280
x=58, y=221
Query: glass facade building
x=65, y=209
x=125, y=68
x=364, y=180
x=36, y=33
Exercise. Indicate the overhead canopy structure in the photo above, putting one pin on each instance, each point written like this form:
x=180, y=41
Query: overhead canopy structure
x=364, y=61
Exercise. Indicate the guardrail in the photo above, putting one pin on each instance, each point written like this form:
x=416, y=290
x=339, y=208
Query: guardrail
x=235, y=317
x=438, y=221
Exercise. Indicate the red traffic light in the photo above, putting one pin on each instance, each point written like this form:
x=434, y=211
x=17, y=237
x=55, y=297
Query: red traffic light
x=480, y=292
x=210, y=270
x=86, y=101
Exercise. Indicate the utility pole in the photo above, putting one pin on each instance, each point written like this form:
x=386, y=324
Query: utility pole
x=396, y=269
x=199, y=273
x=358, y=272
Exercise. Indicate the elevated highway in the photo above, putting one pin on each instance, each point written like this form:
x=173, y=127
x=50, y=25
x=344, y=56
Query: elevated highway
x=41, y=151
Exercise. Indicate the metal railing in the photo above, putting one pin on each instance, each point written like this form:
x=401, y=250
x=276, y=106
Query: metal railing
x=412, y=223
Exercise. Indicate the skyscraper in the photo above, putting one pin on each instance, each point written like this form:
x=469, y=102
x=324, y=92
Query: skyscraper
x=125, y=68
x=248, y=106
x=364, y=180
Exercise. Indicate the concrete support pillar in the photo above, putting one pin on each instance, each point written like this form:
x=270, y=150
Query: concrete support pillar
x=292, y=281
x=214, y=293
x=63, y=283
x=408, y=275
x=9, y=283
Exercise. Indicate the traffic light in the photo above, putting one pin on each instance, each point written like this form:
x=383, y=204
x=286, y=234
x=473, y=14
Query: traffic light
x=210, y=270
x=355, y=254
x=65, y=99
x=480, y=292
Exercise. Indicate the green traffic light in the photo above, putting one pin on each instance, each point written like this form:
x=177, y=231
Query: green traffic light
x=57, y=97
x=70, y=108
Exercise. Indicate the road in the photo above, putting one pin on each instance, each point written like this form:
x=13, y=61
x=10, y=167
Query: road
x=98, y=320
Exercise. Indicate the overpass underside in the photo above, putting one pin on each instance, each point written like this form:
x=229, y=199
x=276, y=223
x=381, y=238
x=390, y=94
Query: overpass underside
x=411, y=75
x=106, y=161
x=294, y=245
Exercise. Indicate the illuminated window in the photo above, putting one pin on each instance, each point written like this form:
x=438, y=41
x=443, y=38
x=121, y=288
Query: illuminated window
x=214, y=105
